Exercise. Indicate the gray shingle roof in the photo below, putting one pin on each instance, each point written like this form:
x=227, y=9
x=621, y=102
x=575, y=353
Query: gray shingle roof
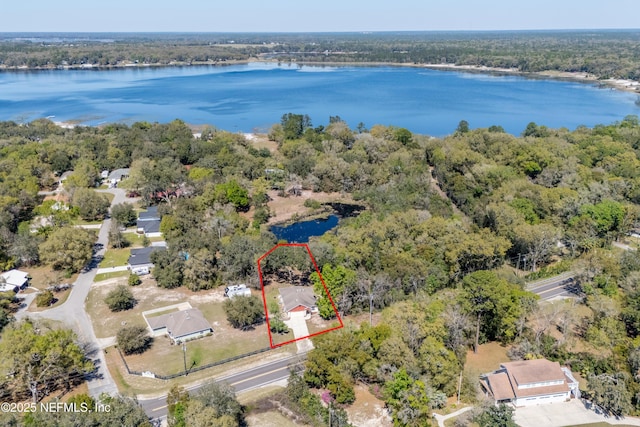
x=294, y=296
x=142, y=256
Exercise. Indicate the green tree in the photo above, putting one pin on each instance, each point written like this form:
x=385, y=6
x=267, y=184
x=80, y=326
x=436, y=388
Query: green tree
x=168, y=269
x=610, y=393
x=495, y=304
x=294, y=125
x=91, y=206
x=116, y=238
x=244, y=312
x=124, y=213
x=121, y=298
x=133, y=339
x=275, y=319
x=234, y=193
x=34, y=360
x=408, y=401
x=496, y=416
x=200, y=271
x=45, y=299
x=177, y=402
x=463, y=127
x=338, y=281
x=134, y=280
x=68, y=248
x=222, y=399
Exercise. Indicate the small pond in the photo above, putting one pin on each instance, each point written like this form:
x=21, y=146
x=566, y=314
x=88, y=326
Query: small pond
x=302, y=231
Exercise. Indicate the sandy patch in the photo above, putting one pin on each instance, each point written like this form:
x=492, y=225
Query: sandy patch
x=367, y=410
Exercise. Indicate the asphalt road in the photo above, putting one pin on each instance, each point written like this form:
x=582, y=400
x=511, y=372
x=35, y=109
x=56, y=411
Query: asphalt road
x=560, y=286
x=72, y=313
x=250, y=379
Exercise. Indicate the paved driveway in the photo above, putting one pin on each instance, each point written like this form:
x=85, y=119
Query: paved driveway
x=298, y=324
x=564, y=414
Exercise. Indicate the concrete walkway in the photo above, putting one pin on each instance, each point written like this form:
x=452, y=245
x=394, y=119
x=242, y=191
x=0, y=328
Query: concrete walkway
x=442, y=418
x=112, y=269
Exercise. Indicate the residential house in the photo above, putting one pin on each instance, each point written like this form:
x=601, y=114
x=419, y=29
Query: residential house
x=530, y=382
x=183, y=325
x=298, y=300
x=140, y=259
x=117, y=175
x=149, y=222
x=13, y=281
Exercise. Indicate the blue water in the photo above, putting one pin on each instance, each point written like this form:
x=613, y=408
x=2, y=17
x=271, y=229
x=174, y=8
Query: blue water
x=300, y=232
x=252, y=97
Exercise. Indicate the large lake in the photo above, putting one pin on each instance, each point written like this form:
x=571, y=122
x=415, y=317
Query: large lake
x=252, y=97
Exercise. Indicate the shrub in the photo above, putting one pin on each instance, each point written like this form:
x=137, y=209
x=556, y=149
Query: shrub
x=120, y=299
x=45, y=299
x=134, y=280
x=133, y=339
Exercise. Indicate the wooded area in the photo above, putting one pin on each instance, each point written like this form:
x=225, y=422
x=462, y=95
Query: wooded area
x=451, y=228
x=602, y=53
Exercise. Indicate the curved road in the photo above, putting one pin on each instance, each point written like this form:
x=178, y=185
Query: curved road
x=72, y=313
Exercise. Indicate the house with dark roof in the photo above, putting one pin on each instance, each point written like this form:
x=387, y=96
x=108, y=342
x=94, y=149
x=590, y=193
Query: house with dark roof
x=149, y=222
x=182, y=325
x=298, y=299
x=530, y=382
x=140, y=259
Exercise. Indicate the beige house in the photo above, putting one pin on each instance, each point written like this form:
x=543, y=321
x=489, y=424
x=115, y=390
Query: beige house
x=182, y=325
x=298, y=299
x=530, y=382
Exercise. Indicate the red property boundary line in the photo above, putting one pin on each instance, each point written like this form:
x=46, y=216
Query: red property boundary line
x=264, y=297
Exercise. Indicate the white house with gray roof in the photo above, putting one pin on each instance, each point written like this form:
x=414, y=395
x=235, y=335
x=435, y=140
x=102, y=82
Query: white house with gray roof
x=182, y=325
x=298, y=299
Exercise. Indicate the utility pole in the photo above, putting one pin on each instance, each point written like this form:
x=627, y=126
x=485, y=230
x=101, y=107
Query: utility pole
x=459, y=386
x=184, y=357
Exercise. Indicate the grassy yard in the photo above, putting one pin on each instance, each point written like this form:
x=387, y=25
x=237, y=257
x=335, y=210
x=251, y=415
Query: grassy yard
x=487, y=359
x=44, y=276
x=134, y=384
x=111, y=275
x=225, y=342
x=115, y=258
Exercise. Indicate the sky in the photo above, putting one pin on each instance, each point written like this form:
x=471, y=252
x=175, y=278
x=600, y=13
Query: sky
x=313, y=15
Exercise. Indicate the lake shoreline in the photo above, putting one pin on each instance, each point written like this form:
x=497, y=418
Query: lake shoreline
x=624, y=85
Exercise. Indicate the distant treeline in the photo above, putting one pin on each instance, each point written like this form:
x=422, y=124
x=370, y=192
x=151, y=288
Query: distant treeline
x=604, y=53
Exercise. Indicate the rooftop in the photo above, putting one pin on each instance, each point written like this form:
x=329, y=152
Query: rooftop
x=118, y=174
x=295, y=296
x=15, y=277
x=151, y=226
x=534, y=371
x=142, y=256
x=181, y=323
x=149, y=215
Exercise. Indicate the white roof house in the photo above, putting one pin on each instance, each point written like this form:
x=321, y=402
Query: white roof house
x=13, y=280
